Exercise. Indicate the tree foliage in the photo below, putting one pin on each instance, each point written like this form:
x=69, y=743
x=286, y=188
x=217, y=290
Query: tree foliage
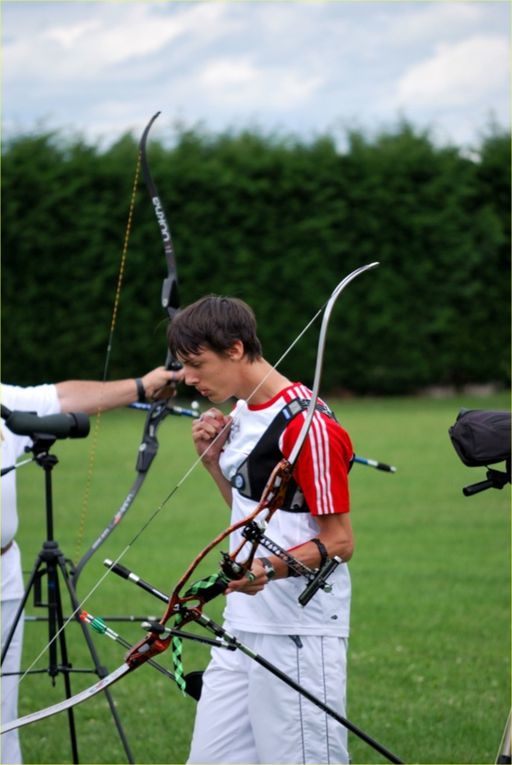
x=277, y=222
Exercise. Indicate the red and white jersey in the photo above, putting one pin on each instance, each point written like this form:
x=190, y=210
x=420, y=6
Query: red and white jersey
x=322, y=473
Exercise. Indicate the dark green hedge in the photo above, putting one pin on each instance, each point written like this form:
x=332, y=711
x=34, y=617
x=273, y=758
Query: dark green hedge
x=277, y=222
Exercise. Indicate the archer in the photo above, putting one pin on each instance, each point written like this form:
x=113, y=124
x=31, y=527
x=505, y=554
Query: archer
x=246, y=715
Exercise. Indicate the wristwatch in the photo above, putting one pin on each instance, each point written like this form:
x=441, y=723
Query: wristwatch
x=268, y=568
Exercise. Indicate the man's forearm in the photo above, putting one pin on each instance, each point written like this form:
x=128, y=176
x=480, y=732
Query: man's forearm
x=91, y=396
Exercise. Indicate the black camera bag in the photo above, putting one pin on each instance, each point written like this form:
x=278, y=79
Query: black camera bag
x=481, y=438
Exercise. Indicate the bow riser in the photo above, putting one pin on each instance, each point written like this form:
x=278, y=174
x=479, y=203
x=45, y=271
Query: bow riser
x=272, y=498
x=151, y=645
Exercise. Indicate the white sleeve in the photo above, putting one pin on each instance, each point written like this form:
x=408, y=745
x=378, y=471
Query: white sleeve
x=42, y=399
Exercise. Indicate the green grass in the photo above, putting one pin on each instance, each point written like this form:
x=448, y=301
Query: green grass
x=429, y=660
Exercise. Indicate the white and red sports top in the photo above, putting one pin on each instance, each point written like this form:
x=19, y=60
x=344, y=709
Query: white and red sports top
x=322, y=473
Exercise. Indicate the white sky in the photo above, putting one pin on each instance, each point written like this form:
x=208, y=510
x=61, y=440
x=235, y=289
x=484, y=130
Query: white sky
x=102, y=68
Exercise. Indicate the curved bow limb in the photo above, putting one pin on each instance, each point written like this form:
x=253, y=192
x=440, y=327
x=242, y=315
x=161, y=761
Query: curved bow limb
x=158, y=646
x=155, y=647
x=170, y=294
x=170, y=299
x=61, y=706
x=320, y=357
x=159, y=409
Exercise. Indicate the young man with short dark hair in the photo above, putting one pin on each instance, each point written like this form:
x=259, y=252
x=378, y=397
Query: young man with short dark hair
x=245, y=714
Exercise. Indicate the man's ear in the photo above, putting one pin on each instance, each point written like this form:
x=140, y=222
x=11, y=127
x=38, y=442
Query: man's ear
x=236, y=351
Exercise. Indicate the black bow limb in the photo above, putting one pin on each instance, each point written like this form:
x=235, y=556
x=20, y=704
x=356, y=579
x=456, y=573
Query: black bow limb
x=160, y=408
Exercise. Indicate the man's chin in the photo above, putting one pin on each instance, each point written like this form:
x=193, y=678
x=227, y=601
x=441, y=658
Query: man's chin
x=217, y=398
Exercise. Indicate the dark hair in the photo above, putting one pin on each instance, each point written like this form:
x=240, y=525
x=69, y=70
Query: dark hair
x=214, y=322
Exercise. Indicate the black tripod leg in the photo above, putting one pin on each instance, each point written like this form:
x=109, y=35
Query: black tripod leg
x=54, y=619
x=101, y=670
x=56, y=623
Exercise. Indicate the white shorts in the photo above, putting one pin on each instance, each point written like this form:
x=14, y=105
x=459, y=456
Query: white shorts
x=247, y=715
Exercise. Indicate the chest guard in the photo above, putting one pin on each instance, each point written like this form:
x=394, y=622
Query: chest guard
x=253, y=473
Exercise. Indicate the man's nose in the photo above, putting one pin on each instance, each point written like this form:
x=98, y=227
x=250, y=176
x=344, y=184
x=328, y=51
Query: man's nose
x=191, y=377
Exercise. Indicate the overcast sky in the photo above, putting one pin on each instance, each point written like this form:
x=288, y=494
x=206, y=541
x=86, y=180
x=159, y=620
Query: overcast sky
x=102, y=68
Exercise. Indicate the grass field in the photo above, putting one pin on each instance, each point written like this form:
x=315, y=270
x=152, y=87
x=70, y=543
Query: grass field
x=429, y=657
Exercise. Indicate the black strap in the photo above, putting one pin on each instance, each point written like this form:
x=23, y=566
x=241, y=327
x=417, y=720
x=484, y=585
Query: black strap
x=252, y=474
x=323, y=551
x=141, y=393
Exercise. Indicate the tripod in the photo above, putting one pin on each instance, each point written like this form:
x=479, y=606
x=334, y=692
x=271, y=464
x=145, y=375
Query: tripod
x=50, y=562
